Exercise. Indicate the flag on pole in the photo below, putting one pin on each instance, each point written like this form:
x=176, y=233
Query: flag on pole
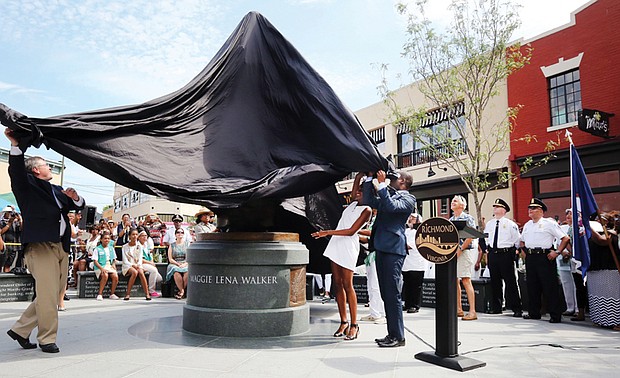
x=583, y=203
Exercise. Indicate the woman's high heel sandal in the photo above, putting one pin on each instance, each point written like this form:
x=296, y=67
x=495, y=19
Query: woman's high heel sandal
x=357, y=332
x=340, y=333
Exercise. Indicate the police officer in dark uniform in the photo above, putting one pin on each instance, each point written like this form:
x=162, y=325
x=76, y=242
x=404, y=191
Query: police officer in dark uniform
x=541, y=270
x=503, y=239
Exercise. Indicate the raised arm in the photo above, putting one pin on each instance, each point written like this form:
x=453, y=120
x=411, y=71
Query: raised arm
x=357, y=225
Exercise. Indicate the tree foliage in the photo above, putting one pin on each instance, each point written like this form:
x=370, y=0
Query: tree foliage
x=467, y=63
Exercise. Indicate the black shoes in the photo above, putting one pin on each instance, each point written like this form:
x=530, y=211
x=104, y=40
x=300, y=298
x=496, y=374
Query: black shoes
x=517, y=314
x=66, y=298
x=555, y=320
x=341, y=332
x=49, y=348
x=531, y=317
x=24, y=342
x=357, y=332
x=386, y=338
x=389, y=342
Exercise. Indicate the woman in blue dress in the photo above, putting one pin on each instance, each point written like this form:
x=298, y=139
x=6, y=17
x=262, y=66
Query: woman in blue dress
x=177, y=266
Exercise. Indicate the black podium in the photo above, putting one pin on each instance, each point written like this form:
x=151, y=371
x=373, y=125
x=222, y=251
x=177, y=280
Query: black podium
x=446, y=326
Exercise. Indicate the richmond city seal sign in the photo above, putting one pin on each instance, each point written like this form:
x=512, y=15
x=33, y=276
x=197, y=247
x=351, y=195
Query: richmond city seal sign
x=437, y=240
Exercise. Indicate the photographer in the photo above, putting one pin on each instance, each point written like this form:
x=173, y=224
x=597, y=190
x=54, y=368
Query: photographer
x=152, y=225
x=122, y=231
x=11, y=231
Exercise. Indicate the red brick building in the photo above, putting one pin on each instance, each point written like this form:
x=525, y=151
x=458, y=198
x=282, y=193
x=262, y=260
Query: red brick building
x=573, y=67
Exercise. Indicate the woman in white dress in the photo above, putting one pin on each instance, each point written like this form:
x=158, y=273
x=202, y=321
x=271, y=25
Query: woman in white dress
x=343, y=250
x=132, y=264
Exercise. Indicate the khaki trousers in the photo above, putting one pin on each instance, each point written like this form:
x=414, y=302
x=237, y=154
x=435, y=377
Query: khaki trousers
x=48, y=263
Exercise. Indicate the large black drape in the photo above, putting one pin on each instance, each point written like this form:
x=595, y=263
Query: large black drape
x=257, y=123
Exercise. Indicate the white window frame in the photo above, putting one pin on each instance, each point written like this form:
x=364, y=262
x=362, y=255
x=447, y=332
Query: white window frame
x=558, y=68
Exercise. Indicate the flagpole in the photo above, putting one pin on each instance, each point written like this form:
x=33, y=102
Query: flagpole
x=573, y=203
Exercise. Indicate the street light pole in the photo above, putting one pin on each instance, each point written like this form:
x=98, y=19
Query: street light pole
x=62, y=170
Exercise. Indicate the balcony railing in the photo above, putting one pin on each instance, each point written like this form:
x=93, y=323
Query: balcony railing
x=423, y=156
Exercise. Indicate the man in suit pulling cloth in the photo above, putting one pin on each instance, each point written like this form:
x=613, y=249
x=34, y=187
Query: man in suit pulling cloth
x=394, y=204
x=46, y=237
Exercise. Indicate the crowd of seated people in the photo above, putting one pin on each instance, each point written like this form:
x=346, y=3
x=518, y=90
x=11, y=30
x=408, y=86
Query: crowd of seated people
x=134, y=246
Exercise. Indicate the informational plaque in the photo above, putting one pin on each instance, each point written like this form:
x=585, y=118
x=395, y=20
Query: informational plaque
x=14, y=288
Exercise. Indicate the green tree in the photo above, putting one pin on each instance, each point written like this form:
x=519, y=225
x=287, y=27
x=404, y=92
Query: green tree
x=459, y=71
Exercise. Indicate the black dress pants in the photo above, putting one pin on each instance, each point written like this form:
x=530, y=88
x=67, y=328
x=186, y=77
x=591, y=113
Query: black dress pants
x=581, y=291
x=542, y=278
x=412, y=288
x=502, y=266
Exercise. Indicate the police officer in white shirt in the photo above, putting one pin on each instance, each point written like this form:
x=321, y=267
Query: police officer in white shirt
x=177, y=220
x=503, y=239
x=541, y=271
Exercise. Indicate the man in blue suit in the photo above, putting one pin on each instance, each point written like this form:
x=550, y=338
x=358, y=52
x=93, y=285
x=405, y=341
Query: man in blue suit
x=46, y=237
x=394, y=204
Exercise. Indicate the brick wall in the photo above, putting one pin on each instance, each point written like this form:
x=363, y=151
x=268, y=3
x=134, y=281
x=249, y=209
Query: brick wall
x=595, y=34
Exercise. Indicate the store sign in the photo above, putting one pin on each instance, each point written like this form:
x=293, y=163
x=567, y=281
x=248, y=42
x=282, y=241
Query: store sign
x=594, y=122
x=437, y=240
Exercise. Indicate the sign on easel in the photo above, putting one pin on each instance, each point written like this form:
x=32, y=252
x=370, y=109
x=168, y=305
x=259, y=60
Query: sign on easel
x=437, y=240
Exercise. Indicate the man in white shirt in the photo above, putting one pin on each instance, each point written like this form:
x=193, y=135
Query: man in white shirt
x=541, y=272
x=414, y=268
x=169, y=237
x=502, y=241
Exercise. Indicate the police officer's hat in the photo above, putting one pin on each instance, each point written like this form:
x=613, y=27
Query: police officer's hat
x=501, y=203
x=177, y=218
x=536, y=202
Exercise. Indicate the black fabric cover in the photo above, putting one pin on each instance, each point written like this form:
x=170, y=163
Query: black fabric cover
x=257, y=123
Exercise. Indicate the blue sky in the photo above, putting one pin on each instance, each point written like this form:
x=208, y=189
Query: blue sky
x=66, y=56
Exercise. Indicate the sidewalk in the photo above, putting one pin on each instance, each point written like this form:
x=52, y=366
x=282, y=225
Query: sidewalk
x=144, y=339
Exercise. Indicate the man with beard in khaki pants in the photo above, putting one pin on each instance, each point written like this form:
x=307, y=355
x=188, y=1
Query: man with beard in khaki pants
x=46, y=237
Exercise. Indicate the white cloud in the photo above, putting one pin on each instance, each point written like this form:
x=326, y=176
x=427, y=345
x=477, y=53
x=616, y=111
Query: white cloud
x=536, y=16
x=161, y=42
x=14, y=88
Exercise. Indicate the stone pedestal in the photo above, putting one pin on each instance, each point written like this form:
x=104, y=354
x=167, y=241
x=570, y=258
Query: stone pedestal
x=247, y=285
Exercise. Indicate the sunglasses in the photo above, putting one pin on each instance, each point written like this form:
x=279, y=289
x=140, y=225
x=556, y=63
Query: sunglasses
x=179, y=232
x=533, y=207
